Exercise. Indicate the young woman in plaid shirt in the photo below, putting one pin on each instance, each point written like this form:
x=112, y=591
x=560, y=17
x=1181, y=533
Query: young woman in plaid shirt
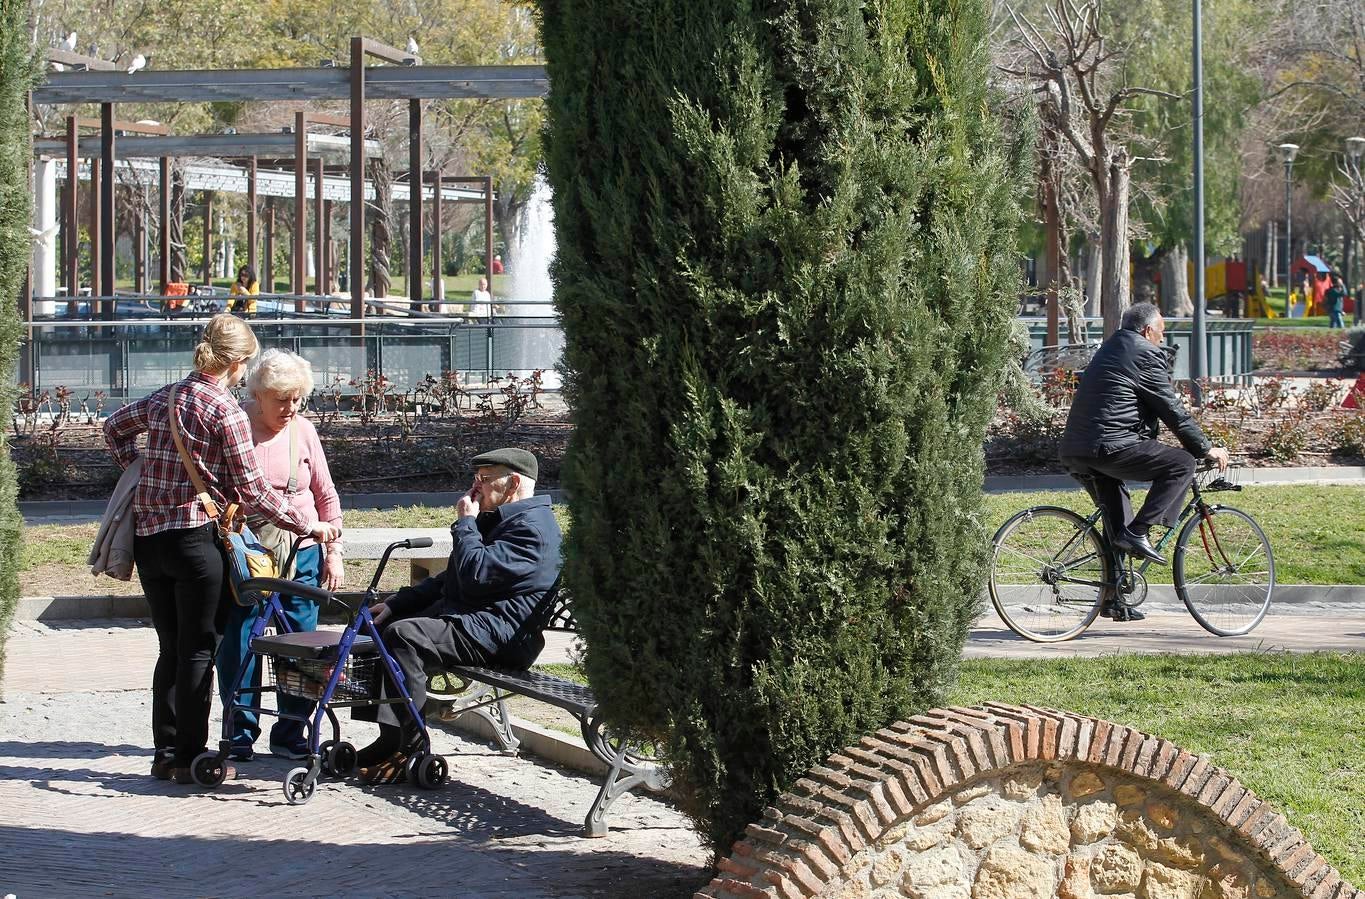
x=178, y=560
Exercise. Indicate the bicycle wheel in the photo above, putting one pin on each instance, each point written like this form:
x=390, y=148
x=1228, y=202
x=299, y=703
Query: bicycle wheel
x=1049, y=573
x=1224, y=571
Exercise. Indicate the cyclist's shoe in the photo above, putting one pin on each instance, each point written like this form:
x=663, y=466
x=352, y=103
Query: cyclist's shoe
x=1119, y=612
x=1138, y=546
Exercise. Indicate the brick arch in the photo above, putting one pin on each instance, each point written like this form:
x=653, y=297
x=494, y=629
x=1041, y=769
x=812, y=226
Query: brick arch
x=841, y=830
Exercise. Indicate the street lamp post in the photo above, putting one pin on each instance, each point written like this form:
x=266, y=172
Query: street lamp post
x=1288, y=152
x=1355, y=149
x=1197, y=342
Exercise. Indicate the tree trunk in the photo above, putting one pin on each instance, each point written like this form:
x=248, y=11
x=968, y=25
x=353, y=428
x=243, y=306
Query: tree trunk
x=1272, y=254
x=380, y=229
x=178, y=261
x=1094, y=274
x=1175, y=282
x=1114, y=237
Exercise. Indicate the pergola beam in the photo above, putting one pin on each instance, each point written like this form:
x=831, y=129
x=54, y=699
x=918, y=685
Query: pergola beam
x=302, y=84
x=280, y=145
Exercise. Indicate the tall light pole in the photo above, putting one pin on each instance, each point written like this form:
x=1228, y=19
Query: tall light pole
x=1355, y=149
x=1197, y=344
x=1288, y=152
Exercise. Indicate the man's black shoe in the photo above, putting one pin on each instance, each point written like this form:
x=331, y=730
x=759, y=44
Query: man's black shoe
x=1121, y=613
x=1137, y=546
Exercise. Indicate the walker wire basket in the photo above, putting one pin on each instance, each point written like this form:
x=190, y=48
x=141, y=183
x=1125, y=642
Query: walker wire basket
x=307, y=678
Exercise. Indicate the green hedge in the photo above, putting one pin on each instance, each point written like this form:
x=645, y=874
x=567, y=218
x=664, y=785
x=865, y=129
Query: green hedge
x=786, y=273
x=17, y=72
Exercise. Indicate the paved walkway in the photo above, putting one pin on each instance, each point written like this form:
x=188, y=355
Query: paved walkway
x=81, y=816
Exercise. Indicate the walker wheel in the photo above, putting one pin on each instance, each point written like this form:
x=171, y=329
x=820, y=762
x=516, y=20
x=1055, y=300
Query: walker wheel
x=432, y=772
x=208, y=769
x=298, y=786
x=412, y=765
x=338, y=758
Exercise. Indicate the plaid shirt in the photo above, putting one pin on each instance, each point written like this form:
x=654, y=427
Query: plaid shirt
x=217, y=436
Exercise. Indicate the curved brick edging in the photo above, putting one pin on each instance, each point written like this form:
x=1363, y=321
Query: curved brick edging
x=824, y=836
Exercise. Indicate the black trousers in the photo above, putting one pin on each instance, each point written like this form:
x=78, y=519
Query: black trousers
x=1169, y=468
x=420, y=647
x=182, y=575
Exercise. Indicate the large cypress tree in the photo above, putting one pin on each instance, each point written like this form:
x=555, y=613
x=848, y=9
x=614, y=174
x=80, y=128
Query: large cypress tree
x=16, y=75
x=786, y=274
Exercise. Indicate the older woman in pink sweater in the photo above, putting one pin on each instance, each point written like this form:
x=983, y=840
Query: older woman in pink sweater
x=290, y=455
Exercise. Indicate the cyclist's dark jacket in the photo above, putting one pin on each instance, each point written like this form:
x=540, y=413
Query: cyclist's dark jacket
x=501, y=567
x=1124, y=393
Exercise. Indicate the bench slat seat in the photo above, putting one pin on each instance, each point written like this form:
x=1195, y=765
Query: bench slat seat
x=556, y=691
x=484, y=692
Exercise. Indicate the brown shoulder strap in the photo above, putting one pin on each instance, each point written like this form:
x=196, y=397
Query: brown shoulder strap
x=210, y=507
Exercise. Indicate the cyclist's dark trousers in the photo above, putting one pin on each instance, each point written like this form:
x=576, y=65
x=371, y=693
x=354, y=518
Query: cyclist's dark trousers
x=1169, y=468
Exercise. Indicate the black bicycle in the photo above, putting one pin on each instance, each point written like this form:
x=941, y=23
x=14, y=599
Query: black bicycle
x=1052, y=570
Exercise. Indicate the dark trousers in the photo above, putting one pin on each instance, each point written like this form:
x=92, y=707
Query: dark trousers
x=234, y=655
x=182, y=575
x=421, y=647
x=1169, y=468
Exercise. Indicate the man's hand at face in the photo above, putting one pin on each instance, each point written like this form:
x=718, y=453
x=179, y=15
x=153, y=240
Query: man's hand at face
x=468, y=506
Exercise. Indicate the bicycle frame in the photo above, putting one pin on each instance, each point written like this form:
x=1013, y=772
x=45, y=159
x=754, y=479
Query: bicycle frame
x=1195, y=505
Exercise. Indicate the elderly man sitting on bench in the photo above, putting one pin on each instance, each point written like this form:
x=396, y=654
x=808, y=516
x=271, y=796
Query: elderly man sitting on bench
x=482, y=610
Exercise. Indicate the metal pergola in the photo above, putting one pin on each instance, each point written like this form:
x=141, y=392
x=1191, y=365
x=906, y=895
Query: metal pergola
x=404, y=78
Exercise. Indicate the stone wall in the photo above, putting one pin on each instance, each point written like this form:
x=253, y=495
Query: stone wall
x=1004, y=802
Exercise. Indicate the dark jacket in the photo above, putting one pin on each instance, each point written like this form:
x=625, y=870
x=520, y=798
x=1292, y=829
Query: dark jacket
x=1124, y=392
x=502, y=565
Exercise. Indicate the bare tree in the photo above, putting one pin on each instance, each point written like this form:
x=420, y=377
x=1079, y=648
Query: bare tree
x=1075, y=73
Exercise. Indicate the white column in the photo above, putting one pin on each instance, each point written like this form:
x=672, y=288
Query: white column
x=45, y=241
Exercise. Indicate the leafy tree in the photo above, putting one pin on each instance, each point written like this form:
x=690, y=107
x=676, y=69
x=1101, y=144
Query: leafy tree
x=785, y=272
x=17, y=73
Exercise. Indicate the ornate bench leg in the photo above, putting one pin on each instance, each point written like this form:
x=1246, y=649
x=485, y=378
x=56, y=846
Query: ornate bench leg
x=478, y=702
x=625, y=771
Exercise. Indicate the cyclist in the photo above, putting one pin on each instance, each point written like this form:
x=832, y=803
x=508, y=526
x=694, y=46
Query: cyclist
x=1123, y=396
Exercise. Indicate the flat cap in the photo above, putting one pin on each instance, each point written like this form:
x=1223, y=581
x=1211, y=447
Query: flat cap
x=521, y=461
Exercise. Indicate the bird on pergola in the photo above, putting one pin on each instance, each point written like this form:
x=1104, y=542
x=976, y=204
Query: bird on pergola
x=69, y=44
x=139, y=62
x=412, y=46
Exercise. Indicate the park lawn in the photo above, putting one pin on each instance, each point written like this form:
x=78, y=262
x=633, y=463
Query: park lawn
x=1315, y=531
x=1290, y=727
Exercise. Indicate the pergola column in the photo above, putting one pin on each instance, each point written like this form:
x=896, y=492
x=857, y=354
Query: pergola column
x=414, y=204
x=319, y=230
x=436, y=282
x=488, y=234
x=208, y=237
x=96, y=241
x=268, y=270
x=165, y=236
x=328, y=258
x=251, y=215
x=107, y=227
x=72, y=223
x=297, y=285
x=357, y=255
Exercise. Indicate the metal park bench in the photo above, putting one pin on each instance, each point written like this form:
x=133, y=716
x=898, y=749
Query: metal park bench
x=484, y=692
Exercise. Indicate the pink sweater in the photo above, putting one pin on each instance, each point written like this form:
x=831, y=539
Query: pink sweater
x=315, y=497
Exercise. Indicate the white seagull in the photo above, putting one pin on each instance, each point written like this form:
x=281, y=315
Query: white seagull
x=69, y=44
x=412, y=46
x=139, y=62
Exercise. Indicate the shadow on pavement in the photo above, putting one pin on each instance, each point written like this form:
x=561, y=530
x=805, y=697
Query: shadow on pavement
x=55, y=862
